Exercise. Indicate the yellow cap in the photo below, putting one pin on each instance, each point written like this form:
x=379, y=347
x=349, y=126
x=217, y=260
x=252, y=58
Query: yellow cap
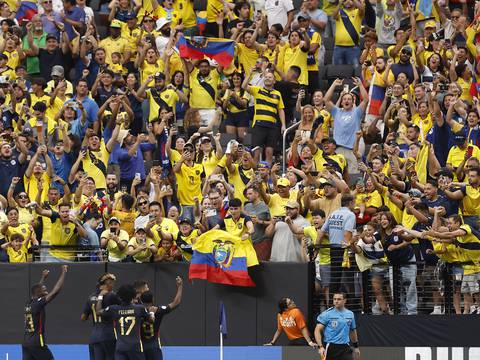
x=430, y=24
x=283, y=182
x=116, y=24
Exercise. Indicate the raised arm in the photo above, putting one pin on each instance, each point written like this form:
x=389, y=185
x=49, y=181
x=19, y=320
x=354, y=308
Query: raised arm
x=178, y=296
x=58, y=286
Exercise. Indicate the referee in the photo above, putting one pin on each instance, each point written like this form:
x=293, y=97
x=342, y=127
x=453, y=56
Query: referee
x=339, y=331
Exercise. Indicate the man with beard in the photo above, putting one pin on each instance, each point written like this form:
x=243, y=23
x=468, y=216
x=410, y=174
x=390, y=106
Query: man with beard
x=115, y=43
x=160, y=95
x=102, y=338
x=112, y=186
x=203, y=88
x=404, y=65
x=240, y=174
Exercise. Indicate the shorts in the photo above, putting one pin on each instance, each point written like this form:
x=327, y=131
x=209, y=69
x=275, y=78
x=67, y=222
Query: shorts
x=324, y=275
x=265, y=136
x=129, y=355
x=239, y=119
x=153, y=354
x=36, y=353
x=380, y=271
x=457, y=272
x=103, y=350
x=338, y=352
x=470, y=284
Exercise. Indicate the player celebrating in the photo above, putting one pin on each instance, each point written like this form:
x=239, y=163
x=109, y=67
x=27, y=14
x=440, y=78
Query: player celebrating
x=102, y=337
x=339, y=328
x=151, y=332
x=34, y=347
x=128, y=319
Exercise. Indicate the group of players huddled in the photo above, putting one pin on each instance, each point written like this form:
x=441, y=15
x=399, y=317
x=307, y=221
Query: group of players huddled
x=126, y=323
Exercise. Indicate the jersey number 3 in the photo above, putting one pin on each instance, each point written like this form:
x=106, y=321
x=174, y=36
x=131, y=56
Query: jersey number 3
x=126, y=322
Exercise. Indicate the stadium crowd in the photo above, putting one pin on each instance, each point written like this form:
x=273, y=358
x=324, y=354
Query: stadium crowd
x=116, y=148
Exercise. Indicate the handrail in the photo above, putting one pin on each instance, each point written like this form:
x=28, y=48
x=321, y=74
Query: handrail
x=284, y=145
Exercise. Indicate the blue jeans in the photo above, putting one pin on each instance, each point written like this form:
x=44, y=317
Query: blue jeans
x=187, y=212
x=408, y=295
x=346, y=55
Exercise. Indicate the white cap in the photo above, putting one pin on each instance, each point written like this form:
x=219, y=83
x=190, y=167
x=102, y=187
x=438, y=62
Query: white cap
x=162, y=22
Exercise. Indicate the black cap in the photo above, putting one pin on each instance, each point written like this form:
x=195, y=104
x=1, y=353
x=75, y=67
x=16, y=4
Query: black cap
x=185, y=220
x=160, y=76
x=459, y=138
x=40, y=106
x=51, y=36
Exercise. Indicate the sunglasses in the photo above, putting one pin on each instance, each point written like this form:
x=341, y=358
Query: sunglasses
x=142, y=203
x=148, y=21
x=47, y=2
x=406, y=52
x=22, y=196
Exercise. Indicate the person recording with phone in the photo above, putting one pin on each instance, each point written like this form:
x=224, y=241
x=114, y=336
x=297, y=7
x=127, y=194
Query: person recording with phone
x=115, y=240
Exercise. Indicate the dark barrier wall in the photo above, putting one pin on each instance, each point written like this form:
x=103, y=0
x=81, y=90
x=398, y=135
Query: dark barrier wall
x=251, y=312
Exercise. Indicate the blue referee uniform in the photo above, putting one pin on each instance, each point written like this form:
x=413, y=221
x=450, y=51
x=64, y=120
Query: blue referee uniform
x=336, y=335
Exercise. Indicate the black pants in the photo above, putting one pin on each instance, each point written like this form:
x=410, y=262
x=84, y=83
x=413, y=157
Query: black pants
x=103, y=350
x=153, y=354
x=339, y=352
x=129, y=355
x=36, y=353
x=336, y=259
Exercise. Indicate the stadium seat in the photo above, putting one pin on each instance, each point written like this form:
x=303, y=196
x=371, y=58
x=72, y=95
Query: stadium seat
x=328, y=42
x=200, y=5
x=247, y=141
x=322, y=72
x=339, y=71
x=328, y=57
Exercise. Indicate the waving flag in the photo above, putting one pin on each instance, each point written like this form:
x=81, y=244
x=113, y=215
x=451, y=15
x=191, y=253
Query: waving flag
x=222, y=258
x=197, y=47
x=26, y=11
x=425, y=7
x=201, y=21
x=474, y=87
x=376, y=95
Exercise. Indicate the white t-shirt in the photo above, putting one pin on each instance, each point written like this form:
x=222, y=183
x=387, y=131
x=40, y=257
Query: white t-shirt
x=277, y=11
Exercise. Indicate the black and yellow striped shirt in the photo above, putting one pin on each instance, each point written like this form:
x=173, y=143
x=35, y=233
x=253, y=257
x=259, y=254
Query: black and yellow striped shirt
x=267, y=104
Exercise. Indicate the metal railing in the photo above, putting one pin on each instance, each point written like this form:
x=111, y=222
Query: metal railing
x=284, y=144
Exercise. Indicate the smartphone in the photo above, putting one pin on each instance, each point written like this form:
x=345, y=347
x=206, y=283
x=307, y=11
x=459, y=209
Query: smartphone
x=346, y=88
x=470, y=151
x=137, y=176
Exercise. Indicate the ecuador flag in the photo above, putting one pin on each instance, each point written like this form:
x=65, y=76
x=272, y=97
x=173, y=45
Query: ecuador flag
x=197, y=47
x=222, y=258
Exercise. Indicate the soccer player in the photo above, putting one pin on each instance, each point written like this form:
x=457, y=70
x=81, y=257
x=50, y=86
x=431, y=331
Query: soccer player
x=339, y=331
x=127, y=319
x=102, y=337
x=151, y=332
x=34, y=347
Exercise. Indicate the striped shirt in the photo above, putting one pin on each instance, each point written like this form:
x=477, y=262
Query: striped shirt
x=267, y=104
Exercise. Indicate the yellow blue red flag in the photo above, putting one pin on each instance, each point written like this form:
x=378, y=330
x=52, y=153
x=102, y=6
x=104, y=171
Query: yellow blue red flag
x=222, y=258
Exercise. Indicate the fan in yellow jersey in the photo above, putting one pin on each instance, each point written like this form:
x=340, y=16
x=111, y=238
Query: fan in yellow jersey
x=189, y=180
x=314, y=48
x=348, y=17
x=148, y=63
x=17, y=247
x=239, y=175
x=160, y=96
x=208, y=155
x=203, y=88
x=115, y=240
x=236, y=223
x=66, y=229
x=141, y=248
x=248, y=50
x=187, y=237
x=159, y=227
x=12, y=226
x=35, y=174
x=187, y=14
x=277, y=201
x=94, y=159
x=295, y=53
x=115, y=43
x=268, y=113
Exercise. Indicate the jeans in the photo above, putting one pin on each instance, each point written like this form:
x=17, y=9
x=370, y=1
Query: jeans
x=408, y=295
x=346, y=55
x=187, y=212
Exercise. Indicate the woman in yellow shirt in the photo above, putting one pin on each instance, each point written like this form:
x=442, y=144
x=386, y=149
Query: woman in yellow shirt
x=209, y=156
x=296, y=53
x=462, y=74
x=148, y=63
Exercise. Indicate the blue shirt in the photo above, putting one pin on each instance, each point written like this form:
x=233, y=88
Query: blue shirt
x=77, y=14
x=91, y=108
x=338, y=222
x=49, y=27
x=338, y=325
x=345, y=125
x=61, y=167
x=129, y=165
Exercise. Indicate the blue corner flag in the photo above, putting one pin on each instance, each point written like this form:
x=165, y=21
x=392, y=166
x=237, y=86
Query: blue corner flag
x=223, y=320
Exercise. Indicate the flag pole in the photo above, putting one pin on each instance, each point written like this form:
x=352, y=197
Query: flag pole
x=221, y=343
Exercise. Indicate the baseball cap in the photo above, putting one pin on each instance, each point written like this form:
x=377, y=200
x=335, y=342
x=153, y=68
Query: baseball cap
x=407, y=49
x=325, y=182
x=51, y=36
x=40, y=106
x=113, y=218
x=459, y=138
x=189, y=145
x=303, y=17
x=160, y=76
x=57, y=70
x=116, y=24
x=263, y=165
x=415, y=193
x=140, y=228
x=430, y=24
x=292, y=204
x=185, y=220
x=283, y=182
x=162, y=22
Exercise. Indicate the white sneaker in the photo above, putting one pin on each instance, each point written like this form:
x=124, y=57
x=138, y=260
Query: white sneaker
x=437, y=310
x=473, y=309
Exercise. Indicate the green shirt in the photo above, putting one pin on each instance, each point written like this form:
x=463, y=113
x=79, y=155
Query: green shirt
x=33, y=64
